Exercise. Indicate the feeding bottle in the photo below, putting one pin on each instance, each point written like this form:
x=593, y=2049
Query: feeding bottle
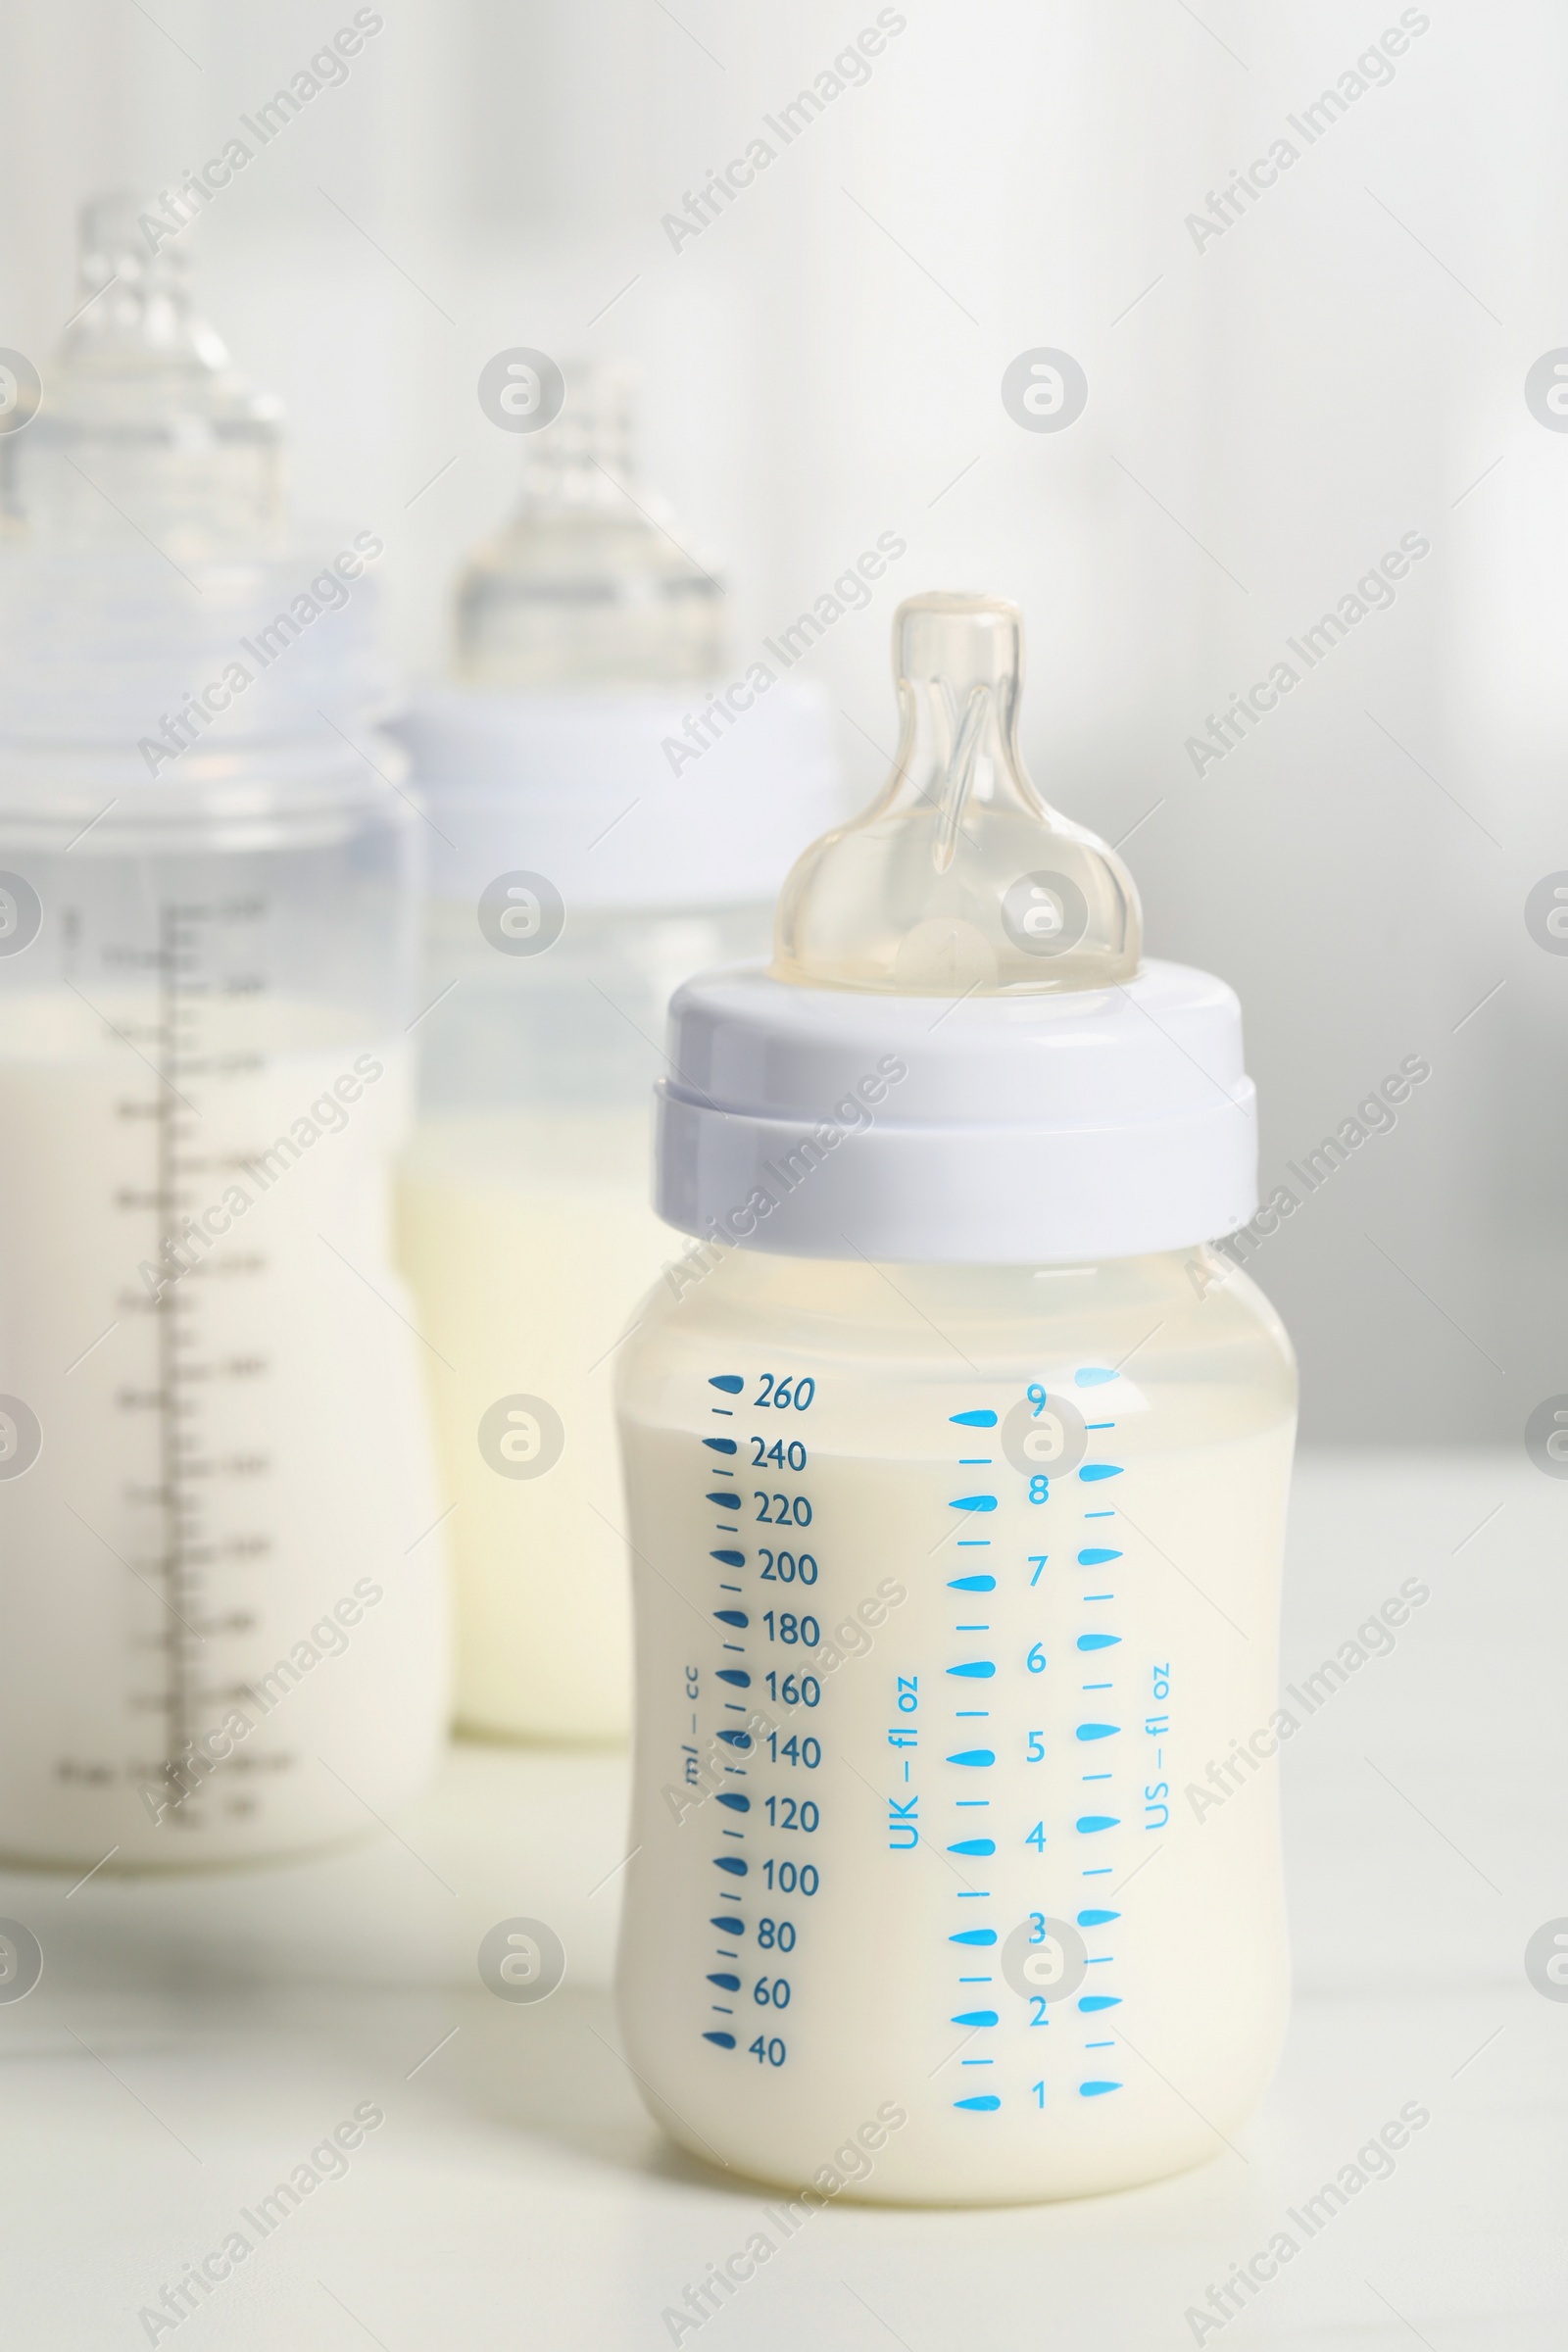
x=956, y=1466
x=607, y=816
x=222, y=1637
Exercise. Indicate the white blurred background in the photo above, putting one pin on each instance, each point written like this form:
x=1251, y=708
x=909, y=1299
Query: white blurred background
x=1270, y=410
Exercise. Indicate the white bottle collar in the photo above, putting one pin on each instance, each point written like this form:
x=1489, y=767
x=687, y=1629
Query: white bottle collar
x=983, y=1130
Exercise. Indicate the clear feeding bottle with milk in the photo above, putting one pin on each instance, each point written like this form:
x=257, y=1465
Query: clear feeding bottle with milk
x=594, y=839
x=956, y=1466
x=222, y=1637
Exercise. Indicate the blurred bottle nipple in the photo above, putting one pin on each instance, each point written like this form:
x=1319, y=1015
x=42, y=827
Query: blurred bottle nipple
x=959, y=880
x=584, y=584
x=145, y=430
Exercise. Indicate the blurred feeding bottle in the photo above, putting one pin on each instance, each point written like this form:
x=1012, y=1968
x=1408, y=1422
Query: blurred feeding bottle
x=219, y=1640
x=929, y=1857
x=580, y=873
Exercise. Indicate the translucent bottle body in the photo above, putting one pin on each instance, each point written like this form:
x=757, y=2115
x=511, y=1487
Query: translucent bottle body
x=950, y=1584
x=526, y=1232
x=218, y=1643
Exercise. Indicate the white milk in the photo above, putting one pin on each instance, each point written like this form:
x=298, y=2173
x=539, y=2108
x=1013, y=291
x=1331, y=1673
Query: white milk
x=527, y=1240
x=944, y=1888
x=223, y=1637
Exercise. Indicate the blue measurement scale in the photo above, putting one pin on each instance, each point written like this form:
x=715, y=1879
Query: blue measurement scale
x=1033, y=1679
x=1069, y=1825
x=753, y=1692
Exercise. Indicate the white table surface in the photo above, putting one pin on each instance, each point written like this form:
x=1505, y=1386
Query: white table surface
x=192, y=2039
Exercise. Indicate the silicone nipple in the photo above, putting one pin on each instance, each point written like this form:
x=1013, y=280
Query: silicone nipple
x=583, y=583
x=959, y=880
x=144, y=427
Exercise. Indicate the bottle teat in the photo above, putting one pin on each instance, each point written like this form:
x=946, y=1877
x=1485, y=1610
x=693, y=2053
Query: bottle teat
x=584, y=583
x=144, y=427
x=959, y=880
